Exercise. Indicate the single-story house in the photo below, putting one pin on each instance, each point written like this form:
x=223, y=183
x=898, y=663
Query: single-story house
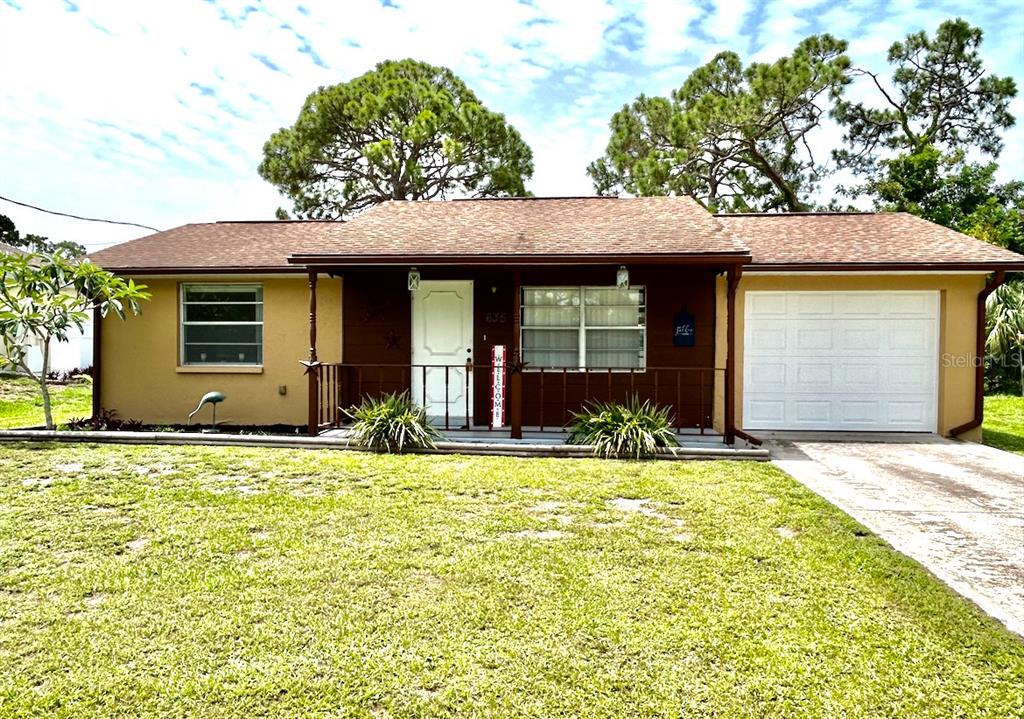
x=510, y=313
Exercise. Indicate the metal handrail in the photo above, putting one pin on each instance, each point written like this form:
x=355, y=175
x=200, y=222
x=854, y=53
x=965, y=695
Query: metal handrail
x=337, y=387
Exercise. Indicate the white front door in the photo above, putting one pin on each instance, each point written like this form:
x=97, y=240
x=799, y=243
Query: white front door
x=859, y=361
x=442, y=343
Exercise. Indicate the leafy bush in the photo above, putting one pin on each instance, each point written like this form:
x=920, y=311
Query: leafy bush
x=391, y=423
x=106, y=421
x=635, y=429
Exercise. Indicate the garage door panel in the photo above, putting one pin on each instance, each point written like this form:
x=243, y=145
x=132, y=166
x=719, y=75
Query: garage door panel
x=909, y=376
x=812, y=304
x=857, y=410
x=841, y=360
x=768, y=337
x=767, y=304
x=907, y=412
x=859, y=377
x=769, y=375
x=851, y=306
x=812, y=338
x=812, y=411
x=910, y=335
x=767, y=411
x=859, y=339
x=811, y=377
x=917, y=304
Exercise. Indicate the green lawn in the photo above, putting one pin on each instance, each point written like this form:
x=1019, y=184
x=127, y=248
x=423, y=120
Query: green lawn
x=1004, y=422
x=21, y=405
x=227, y=582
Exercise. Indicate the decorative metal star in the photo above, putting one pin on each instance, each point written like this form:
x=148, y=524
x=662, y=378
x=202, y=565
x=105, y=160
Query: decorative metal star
x=309, y=365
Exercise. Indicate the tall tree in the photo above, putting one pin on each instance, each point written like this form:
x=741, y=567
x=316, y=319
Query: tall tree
x=42, y=296
x=9, y=235
x=405, y=131
x=939, y=95
x=950, y=191
x=735, y=138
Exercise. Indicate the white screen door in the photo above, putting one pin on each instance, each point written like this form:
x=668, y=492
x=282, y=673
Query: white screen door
x=442, y=335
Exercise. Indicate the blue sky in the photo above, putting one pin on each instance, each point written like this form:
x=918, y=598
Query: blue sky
x=156, y=111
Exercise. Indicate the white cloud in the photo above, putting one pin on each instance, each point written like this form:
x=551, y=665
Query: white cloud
x=726, y=19
x=667, y=23
x=157, y=112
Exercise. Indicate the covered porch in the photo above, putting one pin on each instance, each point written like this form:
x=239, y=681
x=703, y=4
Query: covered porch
x=508, y=351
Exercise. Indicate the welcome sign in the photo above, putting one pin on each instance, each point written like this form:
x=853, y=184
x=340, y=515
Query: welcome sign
x=497, y=386
x=684, y=332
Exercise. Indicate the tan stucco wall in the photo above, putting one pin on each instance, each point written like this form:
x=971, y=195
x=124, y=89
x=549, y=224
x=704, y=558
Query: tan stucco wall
x=721, y=350
x=958, y=306
x=140, y=357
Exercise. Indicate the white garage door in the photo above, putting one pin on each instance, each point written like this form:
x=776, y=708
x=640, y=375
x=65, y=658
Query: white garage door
x=841, y=361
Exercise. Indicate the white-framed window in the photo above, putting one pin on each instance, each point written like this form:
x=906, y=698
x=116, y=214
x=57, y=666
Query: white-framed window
x=584, y=327
x=221, y=324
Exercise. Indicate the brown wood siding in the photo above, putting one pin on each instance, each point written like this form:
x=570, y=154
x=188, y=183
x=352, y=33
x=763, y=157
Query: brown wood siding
x=377, y=331
x=377, y=328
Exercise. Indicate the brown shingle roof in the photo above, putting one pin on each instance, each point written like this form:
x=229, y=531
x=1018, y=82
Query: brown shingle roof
x=582, y=227
x=858, y=238
x=559, y=228
x=533, y=227
x=211, y=246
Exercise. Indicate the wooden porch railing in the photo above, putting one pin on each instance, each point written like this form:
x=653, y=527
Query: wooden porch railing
x=547, y=397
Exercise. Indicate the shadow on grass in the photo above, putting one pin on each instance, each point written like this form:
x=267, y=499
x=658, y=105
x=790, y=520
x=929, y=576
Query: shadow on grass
x=1003, y=440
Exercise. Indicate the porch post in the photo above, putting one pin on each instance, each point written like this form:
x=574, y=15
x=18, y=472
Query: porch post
x=732, y=280
x=515, y=380
x=312, y=370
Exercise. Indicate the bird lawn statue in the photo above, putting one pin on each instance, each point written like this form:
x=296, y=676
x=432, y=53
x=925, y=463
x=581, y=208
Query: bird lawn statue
x=210, y=398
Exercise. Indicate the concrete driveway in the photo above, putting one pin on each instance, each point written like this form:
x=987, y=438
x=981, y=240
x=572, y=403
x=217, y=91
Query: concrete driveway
x=956, y=507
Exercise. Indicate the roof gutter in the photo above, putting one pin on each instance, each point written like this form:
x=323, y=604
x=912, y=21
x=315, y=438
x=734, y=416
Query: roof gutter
x=207, y=270
x=333, y=260
x=991, y=284
x=883, y=266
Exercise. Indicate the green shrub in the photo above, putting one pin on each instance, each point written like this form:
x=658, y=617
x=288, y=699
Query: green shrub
x=390, y=423
x=635, y=429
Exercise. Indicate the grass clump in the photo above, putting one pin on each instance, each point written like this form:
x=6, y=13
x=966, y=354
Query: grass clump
x=632, y=430
x=1004, y=422
x=391, y=423
x=21, y=404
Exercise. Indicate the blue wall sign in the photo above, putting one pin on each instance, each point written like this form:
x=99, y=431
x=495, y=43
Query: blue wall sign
x=685, y=330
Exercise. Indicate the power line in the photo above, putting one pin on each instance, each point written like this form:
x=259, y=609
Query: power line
x=77, y=217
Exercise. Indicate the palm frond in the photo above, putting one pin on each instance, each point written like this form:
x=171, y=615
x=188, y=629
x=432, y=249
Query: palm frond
x=1004, y=315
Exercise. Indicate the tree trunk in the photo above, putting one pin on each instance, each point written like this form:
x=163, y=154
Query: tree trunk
x=43, y=388
x=793, y=203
